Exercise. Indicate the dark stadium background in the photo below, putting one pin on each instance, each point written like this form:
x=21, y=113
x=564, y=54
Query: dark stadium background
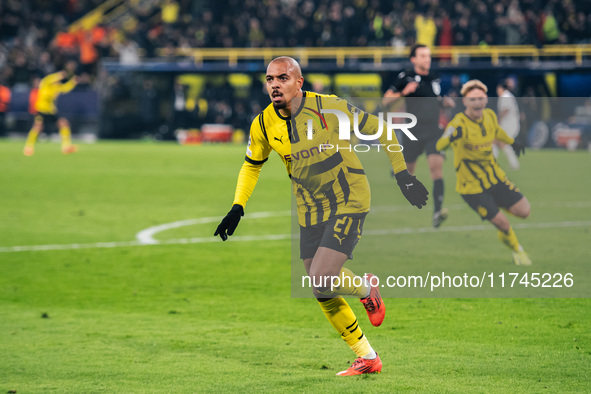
x=131, y=52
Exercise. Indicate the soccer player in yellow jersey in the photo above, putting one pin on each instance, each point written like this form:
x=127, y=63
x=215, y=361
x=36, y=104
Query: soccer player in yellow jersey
x=480, y=180
x=332, y=194
x=50, y=88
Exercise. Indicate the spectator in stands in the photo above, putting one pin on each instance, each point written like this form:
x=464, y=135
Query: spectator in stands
x=426, y=29
x=549, y=27
x=128, y=50
x=170, y=12
x=45, y=65
x=149, y=108
x=21, y=71
x=445, y=39
x=5, y=96
x=179, y=118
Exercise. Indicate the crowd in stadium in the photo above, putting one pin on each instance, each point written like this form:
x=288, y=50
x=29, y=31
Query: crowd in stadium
x=35, y=38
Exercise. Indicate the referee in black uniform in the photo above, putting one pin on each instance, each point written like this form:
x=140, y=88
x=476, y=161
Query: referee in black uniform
x=421, y=82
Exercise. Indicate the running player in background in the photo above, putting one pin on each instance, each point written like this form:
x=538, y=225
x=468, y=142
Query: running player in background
x=332, y=194
x=481, y=182
x=47, y=115
x=509, y=120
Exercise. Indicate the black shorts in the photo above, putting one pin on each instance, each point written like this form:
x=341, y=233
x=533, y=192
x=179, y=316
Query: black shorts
x=487, y=204
x=49, y=121
x=340, y=233
x=425, y=143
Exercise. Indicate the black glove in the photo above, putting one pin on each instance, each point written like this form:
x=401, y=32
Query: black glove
x=518, y=147
x=414, y=191
x=230, y=222
x=457, y=134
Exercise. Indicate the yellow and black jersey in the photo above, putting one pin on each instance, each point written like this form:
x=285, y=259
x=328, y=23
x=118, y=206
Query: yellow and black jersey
x=50, y=88
x=327, y=176
x=476, y=168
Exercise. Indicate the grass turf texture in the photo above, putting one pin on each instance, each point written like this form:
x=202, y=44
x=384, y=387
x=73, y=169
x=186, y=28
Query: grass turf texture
x=219, y=317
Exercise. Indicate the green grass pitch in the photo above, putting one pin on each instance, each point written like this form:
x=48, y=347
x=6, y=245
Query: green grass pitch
x=207, y=316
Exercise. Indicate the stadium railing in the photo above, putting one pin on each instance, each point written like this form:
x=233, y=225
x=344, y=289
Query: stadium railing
x=340, y=54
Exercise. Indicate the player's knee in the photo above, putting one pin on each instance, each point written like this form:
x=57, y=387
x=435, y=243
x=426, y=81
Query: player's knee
x=524, y=212
x=322, y=281
x=436, y=173
x=523, y=208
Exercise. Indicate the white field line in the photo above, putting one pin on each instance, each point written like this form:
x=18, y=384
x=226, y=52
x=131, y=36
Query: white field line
x=275, y=237
x=147, y=236
x=461, y=207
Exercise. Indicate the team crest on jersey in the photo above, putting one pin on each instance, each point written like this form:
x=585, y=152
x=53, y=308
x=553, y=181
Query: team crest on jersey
x=436, y=87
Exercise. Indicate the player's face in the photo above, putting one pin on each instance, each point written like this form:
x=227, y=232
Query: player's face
x=475, y=102
x=283, y=83
x=422, y=59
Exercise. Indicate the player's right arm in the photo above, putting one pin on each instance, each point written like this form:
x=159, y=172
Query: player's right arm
x=257, y=153
x=453, y=132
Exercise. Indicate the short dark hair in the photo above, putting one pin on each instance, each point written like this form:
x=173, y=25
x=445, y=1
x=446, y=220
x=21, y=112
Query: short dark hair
x=413, y=49
x=504, y=84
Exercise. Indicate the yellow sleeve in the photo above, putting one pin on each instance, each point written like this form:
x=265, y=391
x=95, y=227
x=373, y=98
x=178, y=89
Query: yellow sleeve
x=500, y=134
x=369, y=124
x=258, y=149
x=66, y=87
x=443, y=142
x=247, y=180
x=396, y=157
x=257, y=153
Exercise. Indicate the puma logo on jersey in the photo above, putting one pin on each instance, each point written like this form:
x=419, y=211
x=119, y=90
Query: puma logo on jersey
x=340, y=239
x=408, y=185
x=279, y=139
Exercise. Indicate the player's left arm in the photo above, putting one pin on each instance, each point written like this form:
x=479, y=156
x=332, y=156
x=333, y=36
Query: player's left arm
x=370, y=124
x=257, y=154
x=69, y=85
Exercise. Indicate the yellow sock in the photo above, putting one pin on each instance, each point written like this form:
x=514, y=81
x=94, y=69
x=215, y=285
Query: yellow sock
x=31, y=138
x=351, y=284
x=510, y=239
x=342, y=318
x=66, y=135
